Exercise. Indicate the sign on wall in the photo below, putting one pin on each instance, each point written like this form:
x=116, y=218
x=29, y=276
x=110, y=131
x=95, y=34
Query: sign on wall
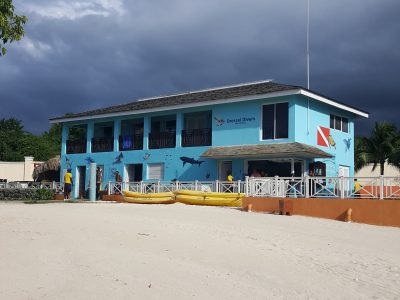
x=324, y=137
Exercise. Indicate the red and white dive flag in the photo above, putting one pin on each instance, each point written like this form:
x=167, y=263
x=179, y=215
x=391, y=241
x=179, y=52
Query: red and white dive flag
x=323, y=135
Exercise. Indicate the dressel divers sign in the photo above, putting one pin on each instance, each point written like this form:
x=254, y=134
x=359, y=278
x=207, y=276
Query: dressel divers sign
x=234, y=121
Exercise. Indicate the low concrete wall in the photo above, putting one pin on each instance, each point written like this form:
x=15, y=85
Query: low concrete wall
x=376, y=212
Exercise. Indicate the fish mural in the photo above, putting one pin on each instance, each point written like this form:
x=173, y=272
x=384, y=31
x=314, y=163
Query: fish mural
x=118, y=159
x=89, y=160
x=192, y=161
x=347, y=143
x=331, y=141
x=67, y=163
x=219, y=121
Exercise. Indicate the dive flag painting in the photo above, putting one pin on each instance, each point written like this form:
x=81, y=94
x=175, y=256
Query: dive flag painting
x=324, y=137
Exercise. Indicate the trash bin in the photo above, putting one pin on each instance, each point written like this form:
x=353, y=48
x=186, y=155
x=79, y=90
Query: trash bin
x=285, y=207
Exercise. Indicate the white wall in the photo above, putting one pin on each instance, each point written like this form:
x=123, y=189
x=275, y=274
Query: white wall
x=367, y=171
x=18, y=171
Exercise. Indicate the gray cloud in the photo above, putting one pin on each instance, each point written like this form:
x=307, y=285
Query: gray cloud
x=94, y=53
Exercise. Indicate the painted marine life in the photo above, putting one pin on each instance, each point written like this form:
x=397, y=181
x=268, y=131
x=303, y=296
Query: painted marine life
x=331, y=141
x=219, y=121
x=192, y=161
x=119, y=158
x=89, y=160
x=146, y=156
x=347, y=142
x=208, y=175
x=67, y=162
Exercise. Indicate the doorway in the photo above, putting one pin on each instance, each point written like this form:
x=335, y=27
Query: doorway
x=133, y=172
x=345, y=172
x=225, y=167
x=80, y=183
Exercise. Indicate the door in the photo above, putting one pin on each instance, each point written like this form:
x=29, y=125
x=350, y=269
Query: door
x=225, y=167
x=133, y=172
x=345, y=172
x=80, y=184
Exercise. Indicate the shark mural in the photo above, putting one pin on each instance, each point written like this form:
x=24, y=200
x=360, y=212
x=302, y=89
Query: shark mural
x=192, y=161
x=347, y=143
x=118, y=159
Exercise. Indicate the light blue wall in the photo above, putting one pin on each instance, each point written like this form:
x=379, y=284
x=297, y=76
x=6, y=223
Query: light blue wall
x=232, y=124
x=319, y=115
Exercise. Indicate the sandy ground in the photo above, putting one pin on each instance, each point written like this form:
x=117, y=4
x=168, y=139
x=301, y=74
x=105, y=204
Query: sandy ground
x=128, y=251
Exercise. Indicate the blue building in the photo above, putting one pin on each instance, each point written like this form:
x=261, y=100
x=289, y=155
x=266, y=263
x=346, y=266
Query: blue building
x=260, y=128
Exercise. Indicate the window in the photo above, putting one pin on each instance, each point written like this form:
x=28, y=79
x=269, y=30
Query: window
x=339, y=123
x=155, y=171
x=275, y=121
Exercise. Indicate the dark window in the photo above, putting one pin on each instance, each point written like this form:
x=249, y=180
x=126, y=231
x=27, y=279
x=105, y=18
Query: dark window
x=345, y=125
x=338, y=125
x=155, y=126
x=108, y=131
x=275, y=121
x=282, y=120
x=332, y=121
x=268, y=122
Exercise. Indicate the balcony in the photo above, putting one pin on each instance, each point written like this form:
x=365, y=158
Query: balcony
x=196, y=137
x=162, y=140
x=130, y=142
x=103, y=144
x=76, y=146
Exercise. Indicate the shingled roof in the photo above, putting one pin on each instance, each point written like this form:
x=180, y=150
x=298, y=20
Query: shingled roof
x=295, y=150
x=195, y=97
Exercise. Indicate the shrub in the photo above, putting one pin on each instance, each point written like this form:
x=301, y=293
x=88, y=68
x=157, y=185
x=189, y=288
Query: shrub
x=26, y=194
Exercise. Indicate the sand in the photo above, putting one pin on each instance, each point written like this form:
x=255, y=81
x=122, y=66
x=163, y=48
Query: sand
x=128, y=251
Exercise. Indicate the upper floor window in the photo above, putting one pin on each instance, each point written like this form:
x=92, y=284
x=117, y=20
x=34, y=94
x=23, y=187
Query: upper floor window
x=339, y=123
x=275, y=121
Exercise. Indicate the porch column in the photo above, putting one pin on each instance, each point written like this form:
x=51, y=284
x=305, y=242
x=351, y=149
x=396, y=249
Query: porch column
x=89, y=136
x=292, y=166
x=146, y=131
x=179, y=126
x=117, y=132
x=64, y=138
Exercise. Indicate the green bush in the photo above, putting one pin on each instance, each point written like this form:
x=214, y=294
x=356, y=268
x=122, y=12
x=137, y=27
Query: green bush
x=27, y=194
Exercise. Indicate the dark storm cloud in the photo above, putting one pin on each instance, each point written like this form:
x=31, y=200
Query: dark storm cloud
x=80, y=55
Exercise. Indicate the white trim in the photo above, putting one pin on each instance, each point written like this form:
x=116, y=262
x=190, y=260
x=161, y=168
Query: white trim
x=333, y=103
x=216, y=102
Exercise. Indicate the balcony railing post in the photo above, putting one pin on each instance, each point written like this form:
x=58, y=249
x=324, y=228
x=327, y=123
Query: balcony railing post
x=381, y=187
x=158, y=186
x=246, y=185
x=109, y=188
x=196, y=184
x=276, y=186
x=177, y=185
x=307, y=186
x=217, y=185
x=141, y=186
x=341, y=187
x=239, y=183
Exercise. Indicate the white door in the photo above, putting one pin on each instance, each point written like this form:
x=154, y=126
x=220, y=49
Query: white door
x=224, y=167
x=345, y=172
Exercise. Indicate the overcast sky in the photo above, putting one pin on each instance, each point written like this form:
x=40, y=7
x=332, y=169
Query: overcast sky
x=80, y=55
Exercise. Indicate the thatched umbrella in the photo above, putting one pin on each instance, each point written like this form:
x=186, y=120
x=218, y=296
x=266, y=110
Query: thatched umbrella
x=49, y=170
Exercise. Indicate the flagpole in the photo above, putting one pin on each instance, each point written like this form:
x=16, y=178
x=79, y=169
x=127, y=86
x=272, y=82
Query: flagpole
x=308, y=64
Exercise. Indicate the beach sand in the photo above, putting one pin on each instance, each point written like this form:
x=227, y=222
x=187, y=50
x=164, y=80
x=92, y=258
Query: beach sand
x=128, y=251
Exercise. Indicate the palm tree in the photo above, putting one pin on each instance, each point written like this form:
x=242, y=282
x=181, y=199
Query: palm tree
x=382, y=146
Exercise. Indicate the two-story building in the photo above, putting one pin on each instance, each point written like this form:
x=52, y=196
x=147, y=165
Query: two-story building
x=260, y=128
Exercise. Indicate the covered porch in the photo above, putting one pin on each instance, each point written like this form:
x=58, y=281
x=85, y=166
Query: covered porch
x=267, y=160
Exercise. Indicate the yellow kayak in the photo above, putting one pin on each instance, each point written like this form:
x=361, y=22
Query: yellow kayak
x=149, y=195
x=209, y=194
x=149, y=200
x=207, y=200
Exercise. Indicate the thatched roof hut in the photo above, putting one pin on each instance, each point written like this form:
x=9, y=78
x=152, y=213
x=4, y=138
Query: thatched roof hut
x=49, y=170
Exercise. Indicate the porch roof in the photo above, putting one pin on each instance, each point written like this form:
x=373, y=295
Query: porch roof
x=278, y=150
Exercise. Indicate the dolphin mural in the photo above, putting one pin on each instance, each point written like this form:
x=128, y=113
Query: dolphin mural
x=347, y=142
x=89, y=160
x=191, y=161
